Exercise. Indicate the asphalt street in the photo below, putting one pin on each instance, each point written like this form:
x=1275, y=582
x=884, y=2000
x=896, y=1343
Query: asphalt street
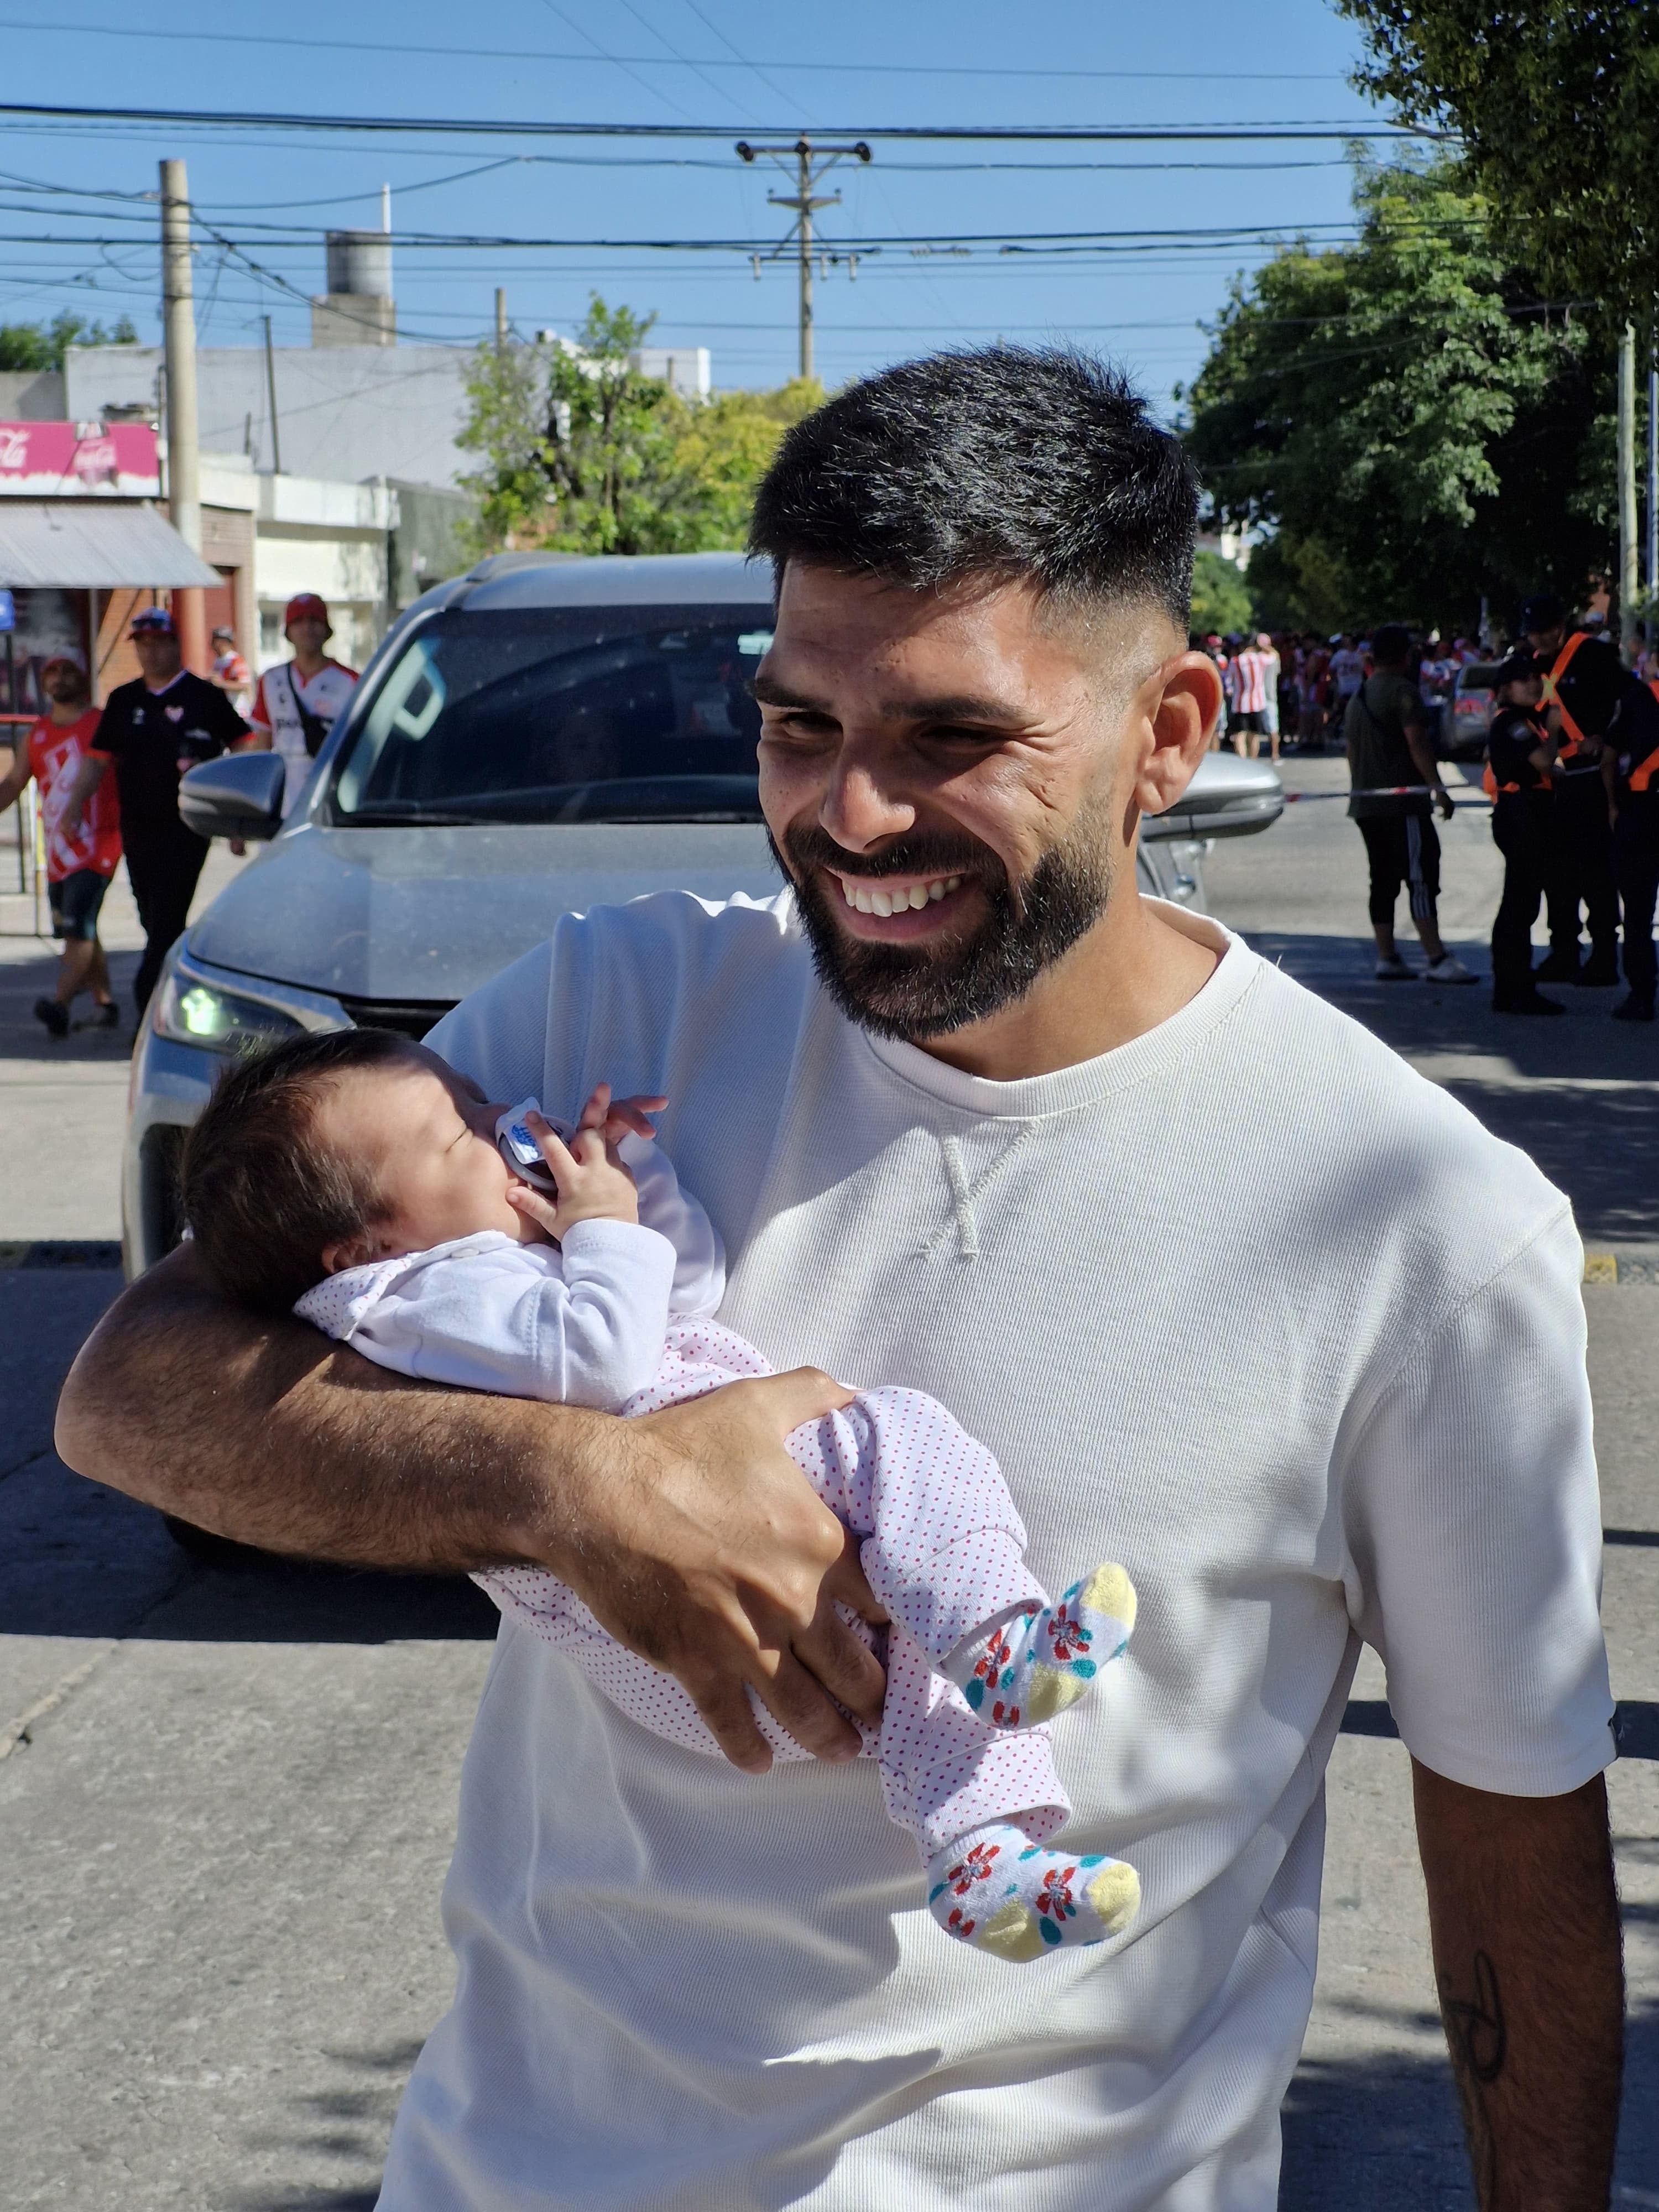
x=227, y=1791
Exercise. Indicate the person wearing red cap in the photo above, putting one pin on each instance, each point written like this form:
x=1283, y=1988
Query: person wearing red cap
x=166, y=721
x=294, y=707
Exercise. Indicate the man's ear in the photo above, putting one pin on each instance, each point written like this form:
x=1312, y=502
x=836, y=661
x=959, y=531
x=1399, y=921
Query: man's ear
x=1180, y=705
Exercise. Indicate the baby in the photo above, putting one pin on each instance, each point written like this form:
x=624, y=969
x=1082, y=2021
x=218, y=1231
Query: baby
x=356, y=1179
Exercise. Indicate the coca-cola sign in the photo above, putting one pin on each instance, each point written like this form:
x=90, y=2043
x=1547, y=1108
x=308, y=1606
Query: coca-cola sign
x=78, y=460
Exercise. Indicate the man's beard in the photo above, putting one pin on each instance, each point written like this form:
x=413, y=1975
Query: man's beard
x=927, y=990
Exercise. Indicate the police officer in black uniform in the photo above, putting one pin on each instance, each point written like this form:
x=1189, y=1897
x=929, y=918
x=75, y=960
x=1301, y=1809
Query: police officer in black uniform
x=1520, y=761
x=165, y=721
x=1630, y=766
x=1584, y=676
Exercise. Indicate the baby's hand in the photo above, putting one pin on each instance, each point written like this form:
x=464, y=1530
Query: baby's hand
x=619, y=1117
x=593, y=1185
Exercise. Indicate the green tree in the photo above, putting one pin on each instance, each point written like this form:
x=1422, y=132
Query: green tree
x=1221, y=598
x=42, y=345
x=1402, y=421
x=582, y=451
x=1554, y=101
x=722, y=446
x=575, y=439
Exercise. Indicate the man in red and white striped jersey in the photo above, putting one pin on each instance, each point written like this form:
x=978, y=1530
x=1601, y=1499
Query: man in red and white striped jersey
x=294, y=707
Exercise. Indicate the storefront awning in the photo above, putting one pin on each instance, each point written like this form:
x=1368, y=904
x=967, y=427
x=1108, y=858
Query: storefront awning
x=93, y=545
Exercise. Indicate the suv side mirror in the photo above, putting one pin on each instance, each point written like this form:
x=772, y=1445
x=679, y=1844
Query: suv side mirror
x=238, y=795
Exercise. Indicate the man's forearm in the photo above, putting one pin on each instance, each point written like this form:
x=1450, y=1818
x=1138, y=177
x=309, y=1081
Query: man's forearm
x=267, y=1433
x=1524, y=1918
x=690, y=1532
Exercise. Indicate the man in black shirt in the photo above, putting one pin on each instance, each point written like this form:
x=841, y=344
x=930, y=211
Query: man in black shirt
x=154, y=729
x=1519, y=759
x=1629, y=765
x=1584, y=680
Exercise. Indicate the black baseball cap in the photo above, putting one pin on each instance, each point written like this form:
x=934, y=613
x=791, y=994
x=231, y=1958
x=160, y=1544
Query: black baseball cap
x=1516, y=667
x=1542, y=611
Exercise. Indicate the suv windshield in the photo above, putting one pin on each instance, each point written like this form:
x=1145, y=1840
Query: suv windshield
x=562, y=715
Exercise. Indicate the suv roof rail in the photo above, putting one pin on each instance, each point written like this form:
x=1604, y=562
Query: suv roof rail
x=502, y=564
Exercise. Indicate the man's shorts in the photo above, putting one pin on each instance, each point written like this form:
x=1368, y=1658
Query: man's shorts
x=1403, y=849
x=75, y=900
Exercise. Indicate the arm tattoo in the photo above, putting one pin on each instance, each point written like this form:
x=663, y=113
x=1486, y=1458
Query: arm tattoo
x=1479, y=2042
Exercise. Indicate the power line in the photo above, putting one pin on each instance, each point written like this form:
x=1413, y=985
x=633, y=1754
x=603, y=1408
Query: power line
x=679, y=61
x=499, y=127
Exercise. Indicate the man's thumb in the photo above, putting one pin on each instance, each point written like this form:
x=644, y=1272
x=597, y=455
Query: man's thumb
x=804, y=1395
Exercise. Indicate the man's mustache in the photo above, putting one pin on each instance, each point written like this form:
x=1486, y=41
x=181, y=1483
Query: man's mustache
x=924, y=855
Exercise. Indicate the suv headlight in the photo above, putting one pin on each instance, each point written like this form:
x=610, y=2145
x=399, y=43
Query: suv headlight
x=191, y=1011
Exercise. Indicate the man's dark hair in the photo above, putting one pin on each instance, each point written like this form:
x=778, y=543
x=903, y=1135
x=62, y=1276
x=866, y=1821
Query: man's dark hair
x=262, y=1197
x=1391, y=644
x=1004, y=461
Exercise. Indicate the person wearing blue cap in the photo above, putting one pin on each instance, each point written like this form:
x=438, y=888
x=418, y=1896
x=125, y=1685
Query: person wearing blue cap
x=165, y=721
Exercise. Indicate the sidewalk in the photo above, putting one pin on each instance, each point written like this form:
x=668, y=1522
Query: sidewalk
x=64, y=1102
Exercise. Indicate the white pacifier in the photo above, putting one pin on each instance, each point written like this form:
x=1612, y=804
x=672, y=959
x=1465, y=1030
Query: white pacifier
x=518, y=1146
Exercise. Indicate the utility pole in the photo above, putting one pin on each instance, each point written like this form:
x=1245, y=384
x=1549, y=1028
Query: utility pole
x=270, y=397
x=1629, y=583
x=1653, y=482
x=184, y=461
x=811, y=164
x=501, y=319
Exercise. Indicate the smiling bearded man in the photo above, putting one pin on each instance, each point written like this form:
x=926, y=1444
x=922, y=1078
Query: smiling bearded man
x=960, y=1103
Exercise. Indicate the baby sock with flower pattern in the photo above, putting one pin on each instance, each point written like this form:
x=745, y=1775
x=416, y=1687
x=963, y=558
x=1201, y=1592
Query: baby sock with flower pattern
x=1026, y=1667
x=999, y=1892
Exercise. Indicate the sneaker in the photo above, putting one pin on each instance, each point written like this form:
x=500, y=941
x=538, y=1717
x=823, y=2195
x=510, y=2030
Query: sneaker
x=1533, y=1003
x=1449, y=969
x=1557, y=967
x=1393, y=969
x=1632, y=1009
x=55, y=1017
x=102, y=1018
x=1600, y=971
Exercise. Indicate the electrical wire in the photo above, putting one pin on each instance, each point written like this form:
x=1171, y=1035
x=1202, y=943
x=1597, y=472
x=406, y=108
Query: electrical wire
x=655, y=61
x=501, y=127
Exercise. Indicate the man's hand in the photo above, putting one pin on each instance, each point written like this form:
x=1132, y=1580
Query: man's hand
x=1524, y=1919
x=691, y=1533
x=711, y=1555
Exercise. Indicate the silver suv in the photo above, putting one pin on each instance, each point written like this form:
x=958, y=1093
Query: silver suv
x=542, y=736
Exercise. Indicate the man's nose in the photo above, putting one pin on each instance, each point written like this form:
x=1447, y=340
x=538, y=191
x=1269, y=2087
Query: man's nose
x=859, y=808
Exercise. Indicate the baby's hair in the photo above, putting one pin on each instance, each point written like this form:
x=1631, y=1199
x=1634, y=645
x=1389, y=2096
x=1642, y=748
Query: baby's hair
x=262, y=1198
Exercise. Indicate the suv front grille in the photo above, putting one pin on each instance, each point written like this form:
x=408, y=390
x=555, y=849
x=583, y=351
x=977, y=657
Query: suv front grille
x=410, y=1017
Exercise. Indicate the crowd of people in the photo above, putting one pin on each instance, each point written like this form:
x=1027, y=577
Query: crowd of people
x=1293, y=688
x=1572, y=772
x=152, y=731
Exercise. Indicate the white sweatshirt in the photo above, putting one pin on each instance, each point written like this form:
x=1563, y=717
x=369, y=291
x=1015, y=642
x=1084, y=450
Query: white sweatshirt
x=1321, y=1385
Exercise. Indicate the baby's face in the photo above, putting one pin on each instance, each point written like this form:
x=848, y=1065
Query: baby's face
x=427, y=1139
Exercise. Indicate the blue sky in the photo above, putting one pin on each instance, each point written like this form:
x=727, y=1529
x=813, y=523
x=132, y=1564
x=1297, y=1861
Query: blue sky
x=739, y=64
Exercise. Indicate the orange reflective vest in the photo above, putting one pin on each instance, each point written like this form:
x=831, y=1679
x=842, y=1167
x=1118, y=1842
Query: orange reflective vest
x=1641, y=776
x=1552, y=698
x=1491, y=786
